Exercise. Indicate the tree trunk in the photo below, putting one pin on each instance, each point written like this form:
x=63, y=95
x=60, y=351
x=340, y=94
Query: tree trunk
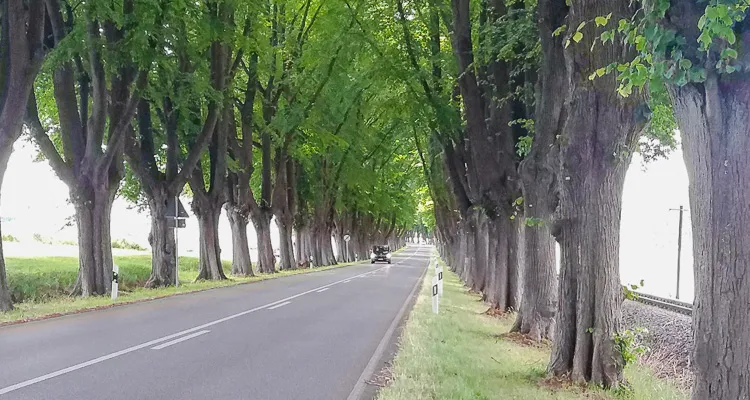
x=6, y=303
x=481, y=249
x=714, y=122
x=590, y=289
x=470, y=255
x=210, y=266
x=341, y=244
x=241, y=262
x=285, y=242
x=508, y=236
x=93, y=204
x=536, y=316
x=598, y=138
x=491, y=287
x=266, y=259
x=162, y=244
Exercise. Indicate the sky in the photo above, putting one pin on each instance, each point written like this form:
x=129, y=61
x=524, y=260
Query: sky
x=37, y=202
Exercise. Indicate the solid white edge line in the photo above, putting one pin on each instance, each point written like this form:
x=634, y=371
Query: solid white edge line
x=110, y=356
x=279, y=305
x=180, y=340
x=321, y=290
x=359, y=387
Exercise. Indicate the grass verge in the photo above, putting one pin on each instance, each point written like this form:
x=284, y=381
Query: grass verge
x=43, y=284
x=460, y=354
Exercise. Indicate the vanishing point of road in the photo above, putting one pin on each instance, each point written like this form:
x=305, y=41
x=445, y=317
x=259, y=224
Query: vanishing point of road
x=311, y=336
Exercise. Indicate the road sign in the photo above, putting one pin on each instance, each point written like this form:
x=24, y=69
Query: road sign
x=182, y=215
x=347, y=238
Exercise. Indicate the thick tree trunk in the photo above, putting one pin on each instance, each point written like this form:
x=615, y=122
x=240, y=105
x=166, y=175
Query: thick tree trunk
x=6, y=303
x=323, y=251
x=266, y=259
x=598, y=138
x=536, y=317
x=285, y=242
x=481, y=252
x=470, y=235
x=715, y=125
x=590, y=289
x=241, y=262
x=508, y=238
x=341, y=244
x=210, y=266
x=93, y=204
x=162, y=244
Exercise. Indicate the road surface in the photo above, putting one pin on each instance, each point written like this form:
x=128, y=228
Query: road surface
x=307, y=336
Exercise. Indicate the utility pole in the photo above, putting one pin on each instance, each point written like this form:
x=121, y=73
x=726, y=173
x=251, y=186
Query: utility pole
x=679, y=249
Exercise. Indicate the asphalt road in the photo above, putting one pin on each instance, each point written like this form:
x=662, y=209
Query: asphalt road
x=307, y=336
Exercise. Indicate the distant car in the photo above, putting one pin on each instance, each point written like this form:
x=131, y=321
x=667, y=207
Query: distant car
x=380, y=253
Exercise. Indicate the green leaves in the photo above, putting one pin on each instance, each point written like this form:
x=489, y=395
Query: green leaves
x=603, y=21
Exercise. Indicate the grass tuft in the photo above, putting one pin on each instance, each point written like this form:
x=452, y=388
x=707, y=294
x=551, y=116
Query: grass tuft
x=462, y=354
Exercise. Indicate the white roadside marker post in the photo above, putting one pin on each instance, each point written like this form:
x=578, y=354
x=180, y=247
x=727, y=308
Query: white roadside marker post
x=440, y=281
x=115, y=280
x=435, y=299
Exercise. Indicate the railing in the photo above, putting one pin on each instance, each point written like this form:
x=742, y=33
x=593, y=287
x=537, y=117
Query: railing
x=664, y=303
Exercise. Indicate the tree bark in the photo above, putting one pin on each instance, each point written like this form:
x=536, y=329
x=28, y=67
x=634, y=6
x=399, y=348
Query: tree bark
x=210, y=266
x=266, y=260
x=241, y=262
x=481, y=252
x=536, y=316
x=599, y=136
x=6, y=302
x=286, y=249
x=714, y=121
x=22, y=55
x=508, y=238
x=93, y=205
x=162, y=243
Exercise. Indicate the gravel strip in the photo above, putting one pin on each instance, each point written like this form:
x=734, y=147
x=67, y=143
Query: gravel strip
x=670, y=339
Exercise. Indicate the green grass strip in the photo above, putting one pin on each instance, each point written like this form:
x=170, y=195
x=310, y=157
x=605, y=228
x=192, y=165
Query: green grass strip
x=459, y=354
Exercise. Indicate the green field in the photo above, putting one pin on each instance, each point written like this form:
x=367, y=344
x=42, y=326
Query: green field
x=40, y=286
x=460, y=354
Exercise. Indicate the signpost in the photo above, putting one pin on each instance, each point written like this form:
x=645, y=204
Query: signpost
x=679, y=249
x=177, y=215
x=347, y=238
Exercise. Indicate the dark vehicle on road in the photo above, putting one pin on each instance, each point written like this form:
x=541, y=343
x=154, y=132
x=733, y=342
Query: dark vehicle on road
x=380, y=253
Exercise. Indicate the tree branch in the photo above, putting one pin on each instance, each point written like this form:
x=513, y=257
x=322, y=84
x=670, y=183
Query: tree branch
x=117, y=135
x=45, y=144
